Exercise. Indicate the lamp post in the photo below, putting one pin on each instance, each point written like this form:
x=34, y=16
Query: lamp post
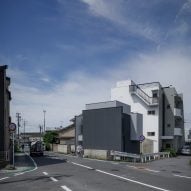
x=44, y=111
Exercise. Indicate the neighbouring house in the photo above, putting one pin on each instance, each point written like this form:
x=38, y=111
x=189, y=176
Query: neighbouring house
x=107, y=126
x=162, y=109
x=5, y=119
x=66, y=140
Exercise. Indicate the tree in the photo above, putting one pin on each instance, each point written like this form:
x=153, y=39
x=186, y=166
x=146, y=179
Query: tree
x=50, y=138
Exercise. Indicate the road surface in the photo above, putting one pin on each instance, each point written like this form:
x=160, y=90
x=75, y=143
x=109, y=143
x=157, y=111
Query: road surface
x=54, y=173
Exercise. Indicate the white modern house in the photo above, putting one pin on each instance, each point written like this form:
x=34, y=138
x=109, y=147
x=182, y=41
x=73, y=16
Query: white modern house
x=162, y=109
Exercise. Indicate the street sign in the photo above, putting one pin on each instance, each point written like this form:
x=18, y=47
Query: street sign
x=141, y=138
x=12, y=127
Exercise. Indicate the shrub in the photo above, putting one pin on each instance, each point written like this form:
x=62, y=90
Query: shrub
x=172, y=152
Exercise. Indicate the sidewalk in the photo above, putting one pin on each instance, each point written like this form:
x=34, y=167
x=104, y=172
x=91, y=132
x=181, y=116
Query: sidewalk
x=22, y=163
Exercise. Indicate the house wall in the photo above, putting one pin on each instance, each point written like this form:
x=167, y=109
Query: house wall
x=4, y=111
x=150, y=122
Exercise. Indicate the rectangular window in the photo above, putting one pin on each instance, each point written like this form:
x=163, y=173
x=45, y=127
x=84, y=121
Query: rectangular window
x=168, y=125
x=150, y=133
x=151, y=112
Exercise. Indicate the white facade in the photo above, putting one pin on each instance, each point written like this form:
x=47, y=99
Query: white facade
x=141, y=99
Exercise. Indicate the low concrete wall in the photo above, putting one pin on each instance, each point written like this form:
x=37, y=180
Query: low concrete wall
x=97, y=154
x=148, y=146
x=66, y=149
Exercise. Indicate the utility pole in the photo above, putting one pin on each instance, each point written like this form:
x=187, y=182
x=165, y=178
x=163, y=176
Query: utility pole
x=18, y=116
x=24, y=123
x=41, y=128
x=44, y=111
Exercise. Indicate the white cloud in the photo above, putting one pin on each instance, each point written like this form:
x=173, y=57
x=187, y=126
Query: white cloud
x=68, y=98
x=123, y=14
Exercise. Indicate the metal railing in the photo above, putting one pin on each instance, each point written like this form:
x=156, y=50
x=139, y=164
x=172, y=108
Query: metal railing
x=137, y=90
x=5, y=155
x=116, y=155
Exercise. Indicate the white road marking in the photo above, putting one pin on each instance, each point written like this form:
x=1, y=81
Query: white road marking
x=16, y=174
x=4, y=178
x=181, y=176
x=82, y=165
x=131, y=166
x=66, y=188
x=123, y=178
x=134, y=181
x=53, y=179
x=151, y=170
x=45, y=173
x=36, y=167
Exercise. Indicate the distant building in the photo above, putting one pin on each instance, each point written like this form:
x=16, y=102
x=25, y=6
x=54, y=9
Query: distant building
x=29, y=137
x=5, y=120
x=162, y=109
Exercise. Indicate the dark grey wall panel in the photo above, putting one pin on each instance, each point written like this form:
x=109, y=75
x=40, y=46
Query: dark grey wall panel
x=102, y=129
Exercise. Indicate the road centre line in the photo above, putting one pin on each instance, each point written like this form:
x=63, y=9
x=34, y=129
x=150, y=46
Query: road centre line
x=45, y=173
x=123, y=178
x=4, y=178
x=82, y=165
x=53, y=179
x=181, y=176
x=66, y=188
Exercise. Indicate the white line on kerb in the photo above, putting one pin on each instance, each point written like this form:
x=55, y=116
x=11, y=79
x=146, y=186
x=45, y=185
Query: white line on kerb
x=4, y=178
x=45, y=173
x=134, y=181
x=181, y=176
x=53, y=179
x=82, y=165
x=16, y=174
x=66, y=188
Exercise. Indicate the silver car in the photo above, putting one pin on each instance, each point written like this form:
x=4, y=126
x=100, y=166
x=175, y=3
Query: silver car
x=186, y=150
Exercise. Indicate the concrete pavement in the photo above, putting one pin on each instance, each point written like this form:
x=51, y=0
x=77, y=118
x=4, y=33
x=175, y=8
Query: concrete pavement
x=23, y=162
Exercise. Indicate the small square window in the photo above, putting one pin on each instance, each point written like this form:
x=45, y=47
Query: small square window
x=168, y=125
x=151, y=112
x=151, y=133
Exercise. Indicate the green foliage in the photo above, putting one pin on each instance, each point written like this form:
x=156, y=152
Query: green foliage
x=47, y=145
x=16, y=149
x=50, y=137
x=172, y=152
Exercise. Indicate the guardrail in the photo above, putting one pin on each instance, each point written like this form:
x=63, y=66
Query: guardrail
x=116, y=155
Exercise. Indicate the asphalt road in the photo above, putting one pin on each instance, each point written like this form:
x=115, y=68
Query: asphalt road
x=77, y=174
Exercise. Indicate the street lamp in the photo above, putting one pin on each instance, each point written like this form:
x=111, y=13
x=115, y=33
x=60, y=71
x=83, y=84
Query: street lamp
x=44, y=111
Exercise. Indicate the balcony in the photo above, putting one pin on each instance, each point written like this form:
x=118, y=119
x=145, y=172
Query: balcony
x=167, y=137
x=151, y=101
x=177, y=112
x=178, y=131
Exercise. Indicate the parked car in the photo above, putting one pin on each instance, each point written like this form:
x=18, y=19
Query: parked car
x=186, y=150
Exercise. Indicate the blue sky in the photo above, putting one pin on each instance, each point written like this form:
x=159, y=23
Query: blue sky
x=65, y=53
